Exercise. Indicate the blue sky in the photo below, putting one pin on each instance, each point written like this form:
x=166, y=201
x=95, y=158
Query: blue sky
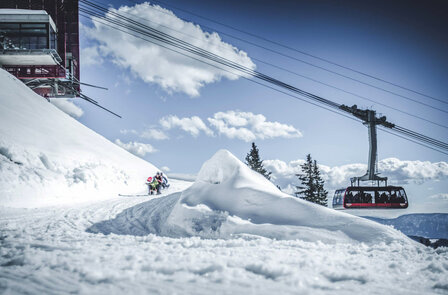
x=402, y=42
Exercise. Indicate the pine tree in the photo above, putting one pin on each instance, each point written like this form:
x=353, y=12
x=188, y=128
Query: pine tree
x=255, y=163
x=306, y=190
x=321, y=194
x=312, y=184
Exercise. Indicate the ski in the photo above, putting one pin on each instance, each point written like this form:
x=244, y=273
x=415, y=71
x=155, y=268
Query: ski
x=121, y=195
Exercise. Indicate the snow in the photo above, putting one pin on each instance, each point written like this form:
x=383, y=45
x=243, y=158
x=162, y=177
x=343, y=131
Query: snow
x=49, y=158
x=67, y=106
x=49, y=251
x=63, y=230
x=228, y=198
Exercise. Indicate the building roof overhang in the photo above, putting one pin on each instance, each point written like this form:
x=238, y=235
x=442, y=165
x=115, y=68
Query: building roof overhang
x=26, y=16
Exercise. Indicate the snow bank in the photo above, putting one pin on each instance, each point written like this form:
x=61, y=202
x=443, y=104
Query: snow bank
x=49, y=158
x=229, y=199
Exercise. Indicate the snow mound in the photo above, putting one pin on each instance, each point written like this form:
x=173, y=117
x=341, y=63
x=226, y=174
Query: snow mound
x=229, y=199
x=49, y=158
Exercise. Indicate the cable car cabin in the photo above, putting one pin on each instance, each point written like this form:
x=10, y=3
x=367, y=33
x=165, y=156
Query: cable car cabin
x=356, y=197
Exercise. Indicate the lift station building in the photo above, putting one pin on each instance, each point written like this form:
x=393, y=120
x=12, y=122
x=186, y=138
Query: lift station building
x=39, y=44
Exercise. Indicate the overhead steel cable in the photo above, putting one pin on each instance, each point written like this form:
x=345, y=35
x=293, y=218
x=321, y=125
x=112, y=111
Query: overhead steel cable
x=421, y=137
x=336, y=111
x=83, y=96
x=351, y=93
x=191, y=48
x=185, y=46
x=300, y=75
x=411, y=140
x=311, y=64
x=317, y=66
x=297, y=50
x=249, y=71
x=230, y=72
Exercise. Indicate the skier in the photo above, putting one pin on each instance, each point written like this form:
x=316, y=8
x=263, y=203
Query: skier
x=148, y=183
x=153, y=185
x=164, y=181
x=158, y=178
x=158, y=182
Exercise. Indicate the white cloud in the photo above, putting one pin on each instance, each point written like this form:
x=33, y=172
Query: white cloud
x=248, y=126
x=154, y=64
x=153, y=134
x=128, y=131
x=91, y=56
x=137, y=148
x=67, y=106
x=398, y=171
x=149, y=133
x=193, y=125
x=233, y=124
x=417, y=171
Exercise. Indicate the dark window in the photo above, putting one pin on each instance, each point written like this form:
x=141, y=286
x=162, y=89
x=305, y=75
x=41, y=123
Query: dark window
x=53, y=39
x=34, y=26
x=9, y=28
x=42, y=42
x=24, y=36
x=33, y=42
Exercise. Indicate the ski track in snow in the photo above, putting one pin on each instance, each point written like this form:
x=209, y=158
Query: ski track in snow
x=50, y=251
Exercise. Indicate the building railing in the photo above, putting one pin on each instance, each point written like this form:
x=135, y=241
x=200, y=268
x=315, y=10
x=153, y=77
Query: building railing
x=51, y=52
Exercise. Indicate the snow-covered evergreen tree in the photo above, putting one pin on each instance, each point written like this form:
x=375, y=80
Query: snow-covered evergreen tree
x=320, y=194
x=312, y=184
x=306, y=189
x=255, y=163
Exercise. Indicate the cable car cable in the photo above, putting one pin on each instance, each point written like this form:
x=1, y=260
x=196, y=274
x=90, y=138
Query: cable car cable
x=239, y=75
x=411, y=140
x=274, y=81
x=304, y=53
x=299, y=51
x=303, y=76
x=200, y=52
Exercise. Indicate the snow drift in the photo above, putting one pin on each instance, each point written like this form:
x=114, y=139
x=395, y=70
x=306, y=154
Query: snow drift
x=48, y=158
x=228, y=198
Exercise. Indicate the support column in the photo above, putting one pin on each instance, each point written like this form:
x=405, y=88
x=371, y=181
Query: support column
x=373, y=151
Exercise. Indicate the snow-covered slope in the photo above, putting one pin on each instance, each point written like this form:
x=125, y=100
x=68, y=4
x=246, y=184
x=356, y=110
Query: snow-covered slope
x=228, y=198
x=48, y=158
x=431, y=226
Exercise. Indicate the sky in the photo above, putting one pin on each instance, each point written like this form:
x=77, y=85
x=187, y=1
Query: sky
x=177, y=112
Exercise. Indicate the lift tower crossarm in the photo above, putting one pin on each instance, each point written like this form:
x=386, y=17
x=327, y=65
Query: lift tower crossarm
x=369, y=119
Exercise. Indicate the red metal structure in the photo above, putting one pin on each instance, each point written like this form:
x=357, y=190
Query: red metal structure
x=42, y=51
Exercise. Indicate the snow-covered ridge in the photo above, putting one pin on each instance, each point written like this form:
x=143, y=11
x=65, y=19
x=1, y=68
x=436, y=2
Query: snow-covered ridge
x=229, y=199
x=49, y=158
x=431, y=226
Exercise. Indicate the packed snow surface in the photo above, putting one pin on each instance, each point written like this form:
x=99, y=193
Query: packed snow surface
x=49, y=251
x=229, y=198
x=48, y=158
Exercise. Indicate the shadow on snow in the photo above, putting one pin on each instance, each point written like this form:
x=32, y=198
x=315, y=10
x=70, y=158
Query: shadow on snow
x=140, y=220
